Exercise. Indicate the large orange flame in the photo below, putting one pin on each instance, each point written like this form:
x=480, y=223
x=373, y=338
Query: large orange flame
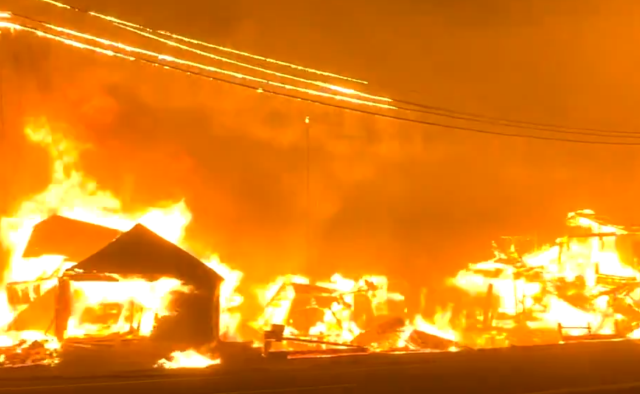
x=73, y=195
x=570, y=285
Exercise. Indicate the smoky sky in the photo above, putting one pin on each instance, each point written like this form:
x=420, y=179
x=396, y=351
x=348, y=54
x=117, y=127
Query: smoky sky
x=413, y=202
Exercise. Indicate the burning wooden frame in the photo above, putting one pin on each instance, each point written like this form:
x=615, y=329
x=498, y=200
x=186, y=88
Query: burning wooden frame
x=592, y=281
x=138, y=285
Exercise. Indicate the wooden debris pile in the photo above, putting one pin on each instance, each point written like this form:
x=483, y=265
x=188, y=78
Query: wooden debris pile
x=26, y=353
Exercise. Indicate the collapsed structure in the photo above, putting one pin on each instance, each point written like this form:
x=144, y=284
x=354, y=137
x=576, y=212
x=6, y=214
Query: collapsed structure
x=585, y=287
x=139, y=285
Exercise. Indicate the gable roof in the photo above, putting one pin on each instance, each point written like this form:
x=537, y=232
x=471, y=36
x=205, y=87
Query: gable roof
x=74, y=239
x=141, y=252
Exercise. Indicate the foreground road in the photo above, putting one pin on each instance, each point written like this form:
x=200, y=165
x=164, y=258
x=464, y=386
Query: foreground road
x=610, y=367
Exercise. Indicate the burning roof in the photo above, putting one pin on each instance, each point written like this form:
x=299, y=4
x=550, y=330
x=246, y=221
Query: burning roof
x=61, y=236
x=141, y=252
x=129, y=278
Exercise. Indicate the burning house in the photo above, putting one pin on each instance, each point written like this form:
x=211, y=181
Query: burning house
x=93, y=273
x=136, y=285
x=157, y=269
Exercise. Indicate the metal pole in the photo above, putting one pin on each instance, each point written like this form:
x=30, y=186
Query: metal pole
x=3, y=131
x=308, y=191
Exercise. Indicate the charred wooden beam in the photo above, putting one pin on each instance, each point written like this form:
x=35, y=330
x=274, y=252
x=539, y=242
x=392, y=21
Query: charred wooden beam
x=23, y=293
x=63, y=308
x=593, y=235
x=487, y=312
x=626, y=309
x=589, y=336
x=386, y=330
x=276, y=334
x=423, y=340
x=621, y=290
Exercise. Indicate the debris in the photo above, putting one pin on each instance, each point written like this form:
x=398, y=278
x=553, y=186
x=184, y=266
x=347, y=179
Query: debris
x=423, y=340
x=387, y=330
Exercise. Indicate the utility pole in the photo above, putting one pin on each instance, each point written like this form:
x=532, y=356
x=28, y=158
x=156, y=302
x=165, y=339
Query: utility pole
x=3, y=131
x=308, y=191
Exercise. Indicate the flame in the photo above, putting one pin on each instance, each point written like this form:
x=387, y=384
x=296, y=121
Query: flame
x=230, y=299
x=440, y=327
x=187, y=359
x=579, y=289
x=130, y=304
x=334, y=302
x=150, y=298
x=569, y=287
x=72, y=195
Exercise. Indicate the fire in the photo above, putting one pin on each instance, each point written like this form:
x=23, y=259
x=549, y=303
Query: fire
x=580, y=288
x=187, y=359
x=230, y=299
x=586, y=286
x=153, y=297
x=128, y=303
x=72, y=195
x=324, y=311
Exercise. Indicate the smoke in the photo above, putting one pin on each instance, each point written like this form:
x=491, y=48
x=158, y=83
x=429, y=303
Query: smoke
x=415, y=203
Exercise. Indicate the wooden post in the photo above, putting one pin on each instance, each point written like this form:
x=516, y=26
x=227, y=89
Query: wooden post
x=487, y=315
x=63, y=308
x=560, y=249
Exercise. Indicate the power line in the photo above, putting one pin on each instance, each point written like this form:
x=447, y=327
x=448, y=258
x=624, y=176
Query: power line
x=308, y=189
x=339, y=95
x=439, y=111
x=351, y=109
x=519, y=124
x=3, y=130
x=424, y=109
x=119, y=23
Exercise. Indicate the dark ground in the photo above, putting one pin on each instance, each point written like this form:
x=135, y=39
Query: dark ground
x=597, y=367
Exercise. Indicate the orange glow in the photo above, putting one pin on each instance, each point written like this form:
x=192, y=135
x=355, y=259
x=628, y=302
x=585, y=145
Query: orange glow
x=568, y=284
x=165, y=58
x=188, y=359
x=71, y=194
x=15, y=26
x=152, y=297
x=336, y=321
x=261, y=69
x=230, y=299
x=133, y=25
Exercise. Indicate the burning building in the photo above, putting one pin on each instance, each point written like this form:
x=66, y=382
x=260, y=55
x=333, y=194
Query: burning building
x=137, y=271
x=81, y=269
x=586, y=286
x=137, y=285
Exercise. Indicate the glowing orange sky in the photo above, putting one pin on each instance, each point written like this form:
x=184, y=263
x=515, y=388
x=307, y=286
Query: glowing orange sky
x=393, y=197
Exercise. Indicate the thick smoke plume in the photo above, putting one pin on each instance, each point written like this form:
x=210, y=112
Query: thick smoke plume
x=415, y=203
